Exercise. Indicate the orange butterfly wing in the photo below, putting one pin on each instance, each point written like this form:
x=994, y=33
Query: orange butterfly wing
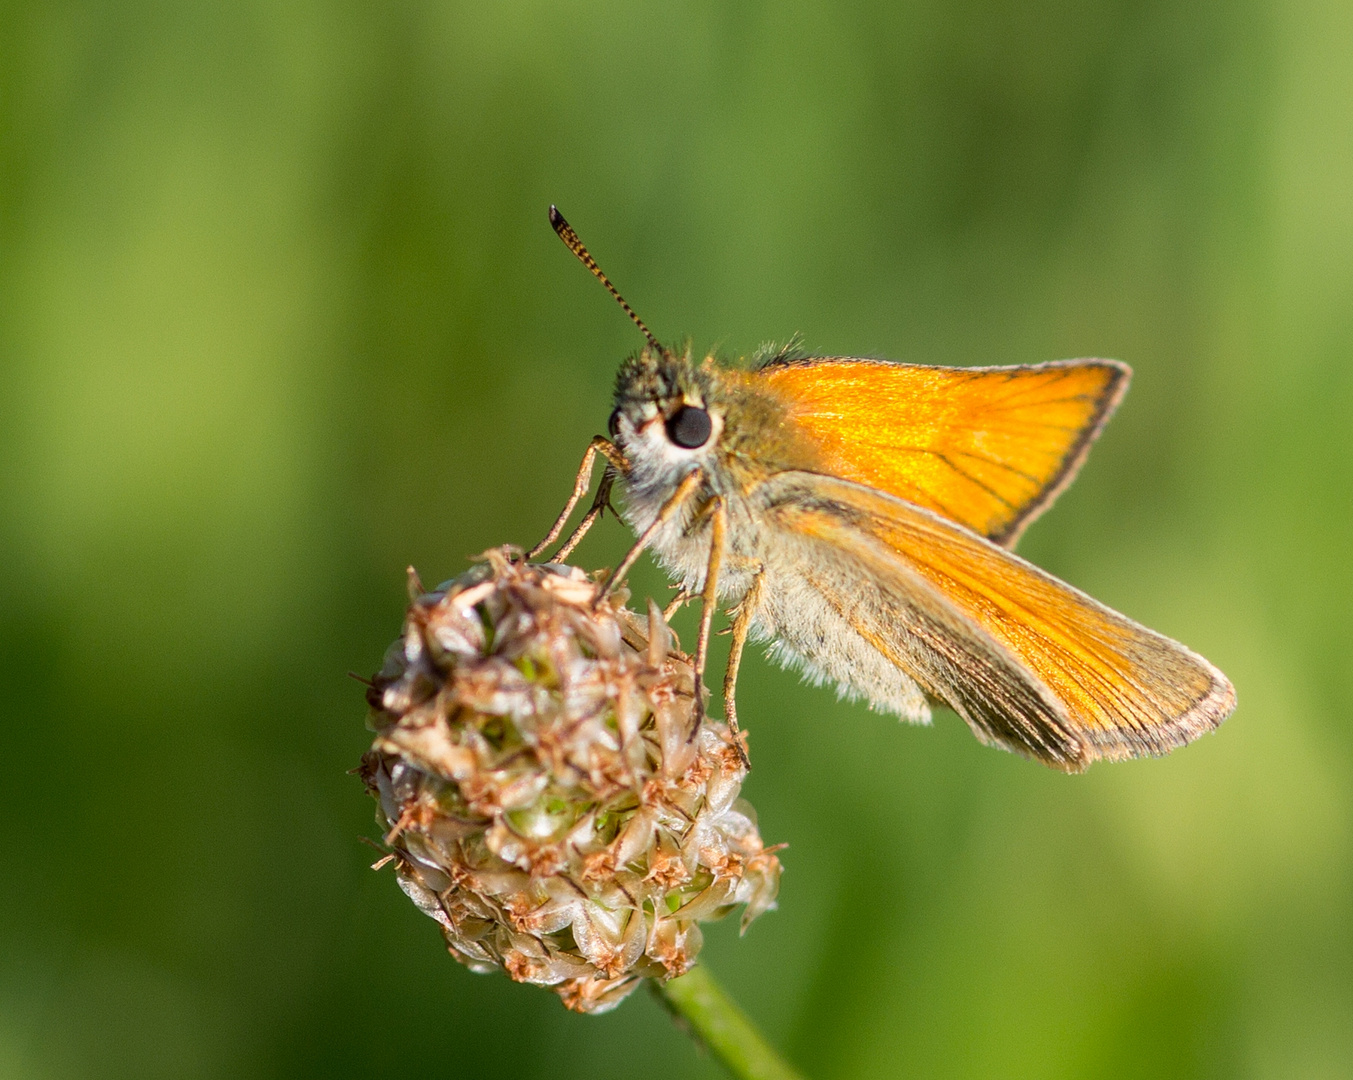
x=1031, y=663
x=989, y=448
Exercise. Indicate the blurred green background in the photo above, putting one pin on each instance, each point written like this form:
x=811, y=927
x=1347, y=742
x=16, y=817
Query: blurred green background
x=280, y=313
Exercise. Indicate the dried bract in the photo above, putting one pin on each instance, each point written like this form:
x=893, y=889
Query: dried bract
x=543, y=796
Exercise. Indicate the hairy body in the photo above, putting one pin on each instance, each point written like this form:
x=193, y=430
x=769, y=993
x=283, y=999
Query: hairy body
x=804, y=628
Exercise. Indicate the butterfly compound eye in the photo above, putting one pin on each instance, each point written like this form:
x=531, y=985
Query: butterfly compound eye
x=613, y=424
x=690, y=427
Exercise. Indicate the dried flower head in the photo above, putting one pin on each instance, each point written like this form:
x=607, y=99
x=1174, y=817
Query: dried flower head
x=543, y=796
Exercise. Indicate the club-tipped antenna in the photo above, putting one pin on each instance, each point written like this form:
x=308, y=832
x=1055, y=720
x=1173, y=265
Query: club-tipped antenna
x=569, y=237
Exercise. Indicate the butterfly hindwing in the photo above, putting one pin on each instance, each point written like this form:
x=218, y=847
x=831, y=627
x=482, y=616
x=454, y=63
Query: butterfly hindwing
x=1030, y=662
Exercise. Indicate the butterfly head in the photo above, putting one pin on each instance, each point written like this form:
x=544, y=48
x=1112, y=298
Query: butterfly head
x=673, y=414
x=669, y=413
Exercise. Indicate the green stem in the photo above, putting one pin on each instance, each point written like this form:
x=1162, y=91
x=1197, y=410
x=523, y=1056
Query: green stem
x=716, y=1020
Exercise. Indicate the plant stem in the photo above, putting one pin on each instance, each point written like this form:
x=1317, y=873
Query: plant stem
x=715, y=1019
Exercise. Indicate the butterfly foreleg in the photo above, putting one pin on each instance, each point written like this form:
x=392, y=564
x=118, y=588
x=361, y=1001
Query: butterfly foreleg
x=616, y=464
x=669, y=509
x=593, y=515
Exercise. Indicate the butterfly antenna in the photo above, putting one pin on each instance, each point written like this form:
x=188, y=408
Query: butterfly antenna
x=569, y=237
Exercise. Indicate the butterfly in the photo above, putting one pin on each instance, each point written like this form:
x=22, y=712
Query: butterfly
x=859, y=516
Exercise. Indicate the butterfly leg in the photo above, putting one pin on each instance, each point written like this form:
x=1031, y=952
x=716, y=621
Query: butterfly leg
x=742, y=624
x=612, y=454
x=674, y=503
x=709, y=600
x=593, y=515
x=675, y=604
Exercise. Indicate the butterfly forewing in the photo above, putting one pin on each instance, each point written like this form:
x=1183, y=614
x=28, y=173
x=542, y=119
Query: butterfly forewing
x=987, y=447
x=1030, y=662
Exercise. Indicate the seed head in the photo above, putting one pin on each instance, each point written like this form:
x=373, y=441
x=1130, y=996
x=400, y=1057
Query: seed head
x=543, y=796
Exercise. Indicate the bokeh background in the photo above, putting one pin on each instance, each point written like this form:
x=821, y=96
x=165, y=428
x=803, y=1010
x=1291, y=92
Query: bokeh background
x=280, y=314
